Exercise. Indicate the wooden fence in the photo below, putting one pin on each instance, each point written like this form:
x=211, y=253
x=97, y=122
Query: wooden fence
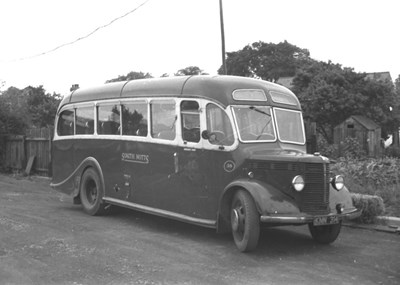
x=30, y=152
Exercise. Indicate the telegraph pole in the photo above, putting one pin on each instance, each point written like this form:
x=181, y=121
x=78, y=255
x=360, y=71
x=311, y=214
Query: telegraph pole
x=221, y=15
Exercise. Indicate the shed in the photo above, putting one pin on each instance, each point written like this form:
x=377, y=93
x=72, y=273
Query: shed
x=366, y=131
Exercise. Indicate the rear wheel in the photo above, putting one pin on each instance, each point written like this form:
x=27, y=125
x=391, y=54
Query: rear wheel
x=325, y=234
x=91, y=193
x=245, y=221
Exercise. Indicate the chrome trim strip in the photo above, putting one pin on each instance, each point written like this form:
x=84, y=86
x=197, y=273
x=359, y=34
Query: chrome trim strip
x=162, y=213
x=303, y=219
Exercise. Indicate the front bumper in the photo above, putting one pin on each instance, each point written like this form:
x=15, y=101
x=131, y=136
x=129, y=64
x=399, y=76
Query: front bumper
x=305, y=219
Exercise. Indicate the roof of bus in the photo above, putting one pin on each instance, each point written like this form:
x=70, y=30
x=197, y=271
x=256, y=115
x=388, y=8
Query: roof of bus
x=217, y=88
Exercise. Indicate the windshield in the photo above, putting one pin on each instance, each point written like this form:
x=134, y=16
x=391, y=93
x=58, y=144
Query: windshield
x=290, y=126
x=254, y=123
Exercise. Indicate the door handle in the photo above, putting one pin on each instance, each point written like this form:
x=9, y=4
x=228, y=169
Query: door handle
x=176, y=162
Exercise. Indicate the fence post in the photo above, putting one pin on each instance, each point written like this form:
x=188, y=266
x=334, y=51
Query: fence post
x=50, y=166
x=24, y=153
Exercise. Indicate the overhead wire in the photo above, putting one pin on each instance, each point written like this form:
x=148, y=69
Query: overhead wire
x=78, y=39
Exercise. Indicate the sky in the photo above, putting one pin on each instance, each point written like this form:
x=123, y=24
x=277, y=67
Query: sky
x=164, y=36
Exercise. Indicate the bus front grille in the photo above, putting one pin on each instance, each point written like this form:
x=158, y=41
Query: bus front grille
x=315, y=196
x=314, y=199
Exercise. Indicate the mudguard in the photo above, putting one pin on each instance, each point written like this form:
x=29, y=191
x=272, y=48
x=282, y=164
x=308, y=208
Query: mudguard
x=267, y=198
x=342, y=197
x=71, y=184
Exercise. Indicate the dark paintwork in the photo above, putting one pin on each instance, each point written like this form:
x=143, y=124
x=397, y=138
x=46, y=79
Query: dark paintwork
x=216, y=88
x=200, y=188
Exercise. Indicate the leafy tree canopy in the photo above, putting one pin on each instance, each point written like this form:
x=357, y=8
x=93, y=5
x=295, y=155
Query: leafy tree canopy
x=267, y=61
x=190, y=70
x=397, y=85
x=2, y=83
x=131, y=76
x=329, y=94
x=42, y=106
x=30, y=107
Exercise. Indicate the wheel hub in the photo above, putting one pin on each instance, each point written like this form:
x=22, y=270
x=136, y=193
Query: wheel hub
x=235, y=220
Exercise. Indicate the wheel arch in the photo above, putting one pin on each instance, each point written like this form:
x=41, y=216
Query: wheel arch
x=223, y=224
x=267, y=199
x=89, y=162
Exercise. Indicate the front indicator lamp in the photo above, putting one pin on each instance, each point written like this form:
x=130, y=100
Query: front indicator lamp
x=298, y=183
x=338, y=182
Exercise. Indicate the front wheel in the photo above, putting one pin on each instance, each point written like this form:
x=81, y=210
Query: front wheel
x=245, y=221
x=325, y=234
x=91, y=193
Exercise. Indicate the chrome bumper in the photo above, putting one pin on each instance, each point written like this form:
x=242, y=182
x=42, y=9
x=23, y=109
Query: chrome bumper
x=305, y=219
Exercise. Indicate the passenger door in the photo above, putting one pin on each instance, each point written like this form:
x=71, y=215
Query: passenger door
x=200, y=173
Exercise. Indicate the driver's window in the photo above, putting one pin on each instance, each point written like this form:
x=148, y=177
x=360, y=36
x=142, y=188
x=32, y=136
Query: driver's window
x=190, y=121
x=218, y=123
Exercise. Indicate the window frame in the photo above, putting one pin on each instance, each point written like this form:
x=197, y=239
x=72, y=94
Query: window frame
x=107, y=103
x=301, y=123
x=255, y=141
x=133, y=101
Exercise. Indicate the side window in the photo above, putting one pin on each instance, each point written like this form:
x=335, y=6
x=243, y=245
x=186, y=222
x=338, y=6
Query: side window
x=65, y=125
x=218, y=123
x=108, y=120
x=84, y=118
x=134, y=119
x=163, y=119
x=190, y=121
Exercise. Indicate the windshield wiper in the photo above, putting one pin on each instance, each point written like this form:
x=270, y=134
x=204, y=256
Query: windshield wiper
x=259, y=110
x=266, y=124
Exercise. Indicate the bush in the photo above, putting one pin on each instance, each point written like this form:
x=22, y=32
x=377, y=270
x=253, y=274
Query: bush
x=352, y=149
x=376, y=177
x=371, y=205
x=325, y=149
x=392, y=151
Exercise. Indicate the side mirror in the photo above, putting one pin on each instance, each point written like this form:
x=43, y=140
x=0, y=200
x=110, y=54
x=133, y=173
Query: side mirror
x=210, y=136
x=205, y=135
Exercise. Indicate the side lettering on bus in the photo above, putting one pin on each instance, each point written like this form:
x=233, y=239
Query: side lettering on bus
x=135, y=157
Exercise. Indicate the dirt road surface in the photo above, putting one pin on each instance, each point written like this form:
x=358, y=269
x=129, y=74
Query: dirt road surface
x=44, y=239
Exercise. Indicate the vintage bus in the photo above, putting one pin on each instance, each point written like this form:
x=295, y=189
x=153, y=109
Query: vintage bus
x=223, y=152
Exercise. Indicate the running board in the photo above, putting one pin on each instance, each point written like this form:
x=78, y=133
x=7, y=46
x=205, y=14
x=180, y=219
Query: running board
x=162, y=213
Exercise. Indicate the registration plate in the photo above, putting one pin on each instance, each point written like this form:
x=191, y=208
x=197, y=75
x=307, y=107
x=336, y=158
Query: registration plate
x=326, y=220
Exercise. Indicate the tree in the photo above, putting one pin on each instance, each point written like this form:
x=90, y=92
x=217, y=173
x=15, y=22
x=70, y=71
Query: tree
x=267, y=61
x=10, y=123
x=329, y=94
x=396, y=113
x=13, y=117
x=30, y=107
x=42, y=106
x=133, y=75
x=190, y=70
x=397, y=86
x=2, y=83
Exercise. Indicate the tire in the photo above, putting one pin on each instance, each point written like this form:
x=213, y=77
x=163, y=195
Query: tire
x=245, y=221
x=325, y=234
x=91, y=193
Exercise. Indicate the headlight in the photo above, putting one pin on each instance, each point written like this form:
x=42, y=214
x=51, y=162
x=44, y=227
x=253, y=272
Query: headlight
x=338, y=182
x=298, y=183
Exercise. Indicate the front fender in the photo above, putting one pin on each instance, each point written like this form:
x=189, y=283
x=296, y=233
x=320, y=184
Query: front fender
x=342, y=197
x=70, y=185
x=267, y=198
